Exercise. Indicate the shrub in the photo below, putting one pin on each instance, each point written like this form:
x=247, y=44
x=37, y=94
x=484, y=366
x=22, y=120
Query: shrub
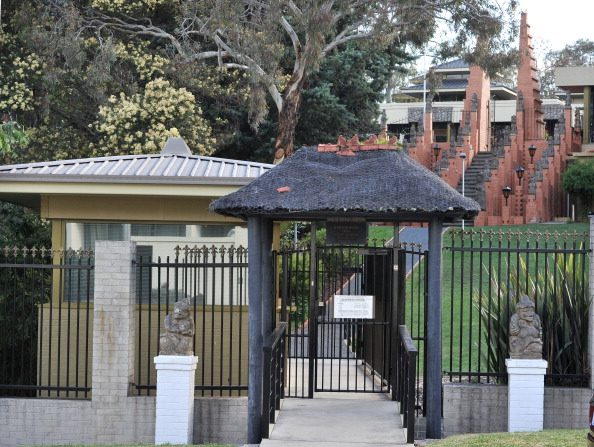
x=562, y=302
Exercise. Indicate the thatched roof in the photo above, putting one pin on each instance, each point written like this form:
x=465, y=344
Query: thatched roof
x=375, y=184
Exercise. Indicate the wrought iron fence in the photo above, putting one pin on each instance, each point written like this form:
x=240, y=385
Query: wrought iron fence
x=45, y=322
x=412, y=300
x=274, y=376
x=215, y=281
x=485, y=273
x=406, y=378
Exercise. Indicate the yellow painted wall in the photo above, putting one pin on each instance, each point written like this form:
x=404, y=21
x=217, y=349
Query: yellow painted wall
x=130, y=209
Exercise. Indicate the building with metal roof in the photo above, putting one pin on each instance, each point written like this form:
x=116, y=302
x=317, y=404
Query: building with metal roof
x=173, y=172
x=157, y=200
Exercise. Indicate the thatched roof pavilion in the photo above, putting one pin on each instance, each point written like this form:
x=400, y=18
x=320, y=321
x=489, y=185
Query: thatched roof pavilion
x=370, y=181
x=374, y=184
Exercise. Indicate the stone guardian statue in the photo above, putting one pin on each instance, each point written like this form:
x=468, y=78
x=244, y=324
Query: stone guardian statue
x=179, y=331
x=525, y=331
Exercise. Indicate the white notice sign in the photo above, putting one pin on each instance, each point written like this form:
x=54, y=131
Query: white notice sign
x=353, y=306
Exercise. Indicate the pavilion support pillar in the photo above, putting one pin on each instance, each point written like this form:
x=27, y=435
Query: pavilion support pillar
x=433, y=336
x=267, y=279
x=255, y=339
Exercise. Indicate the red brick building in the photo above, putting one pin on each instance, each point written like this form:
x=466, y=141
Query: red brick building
x=513, y=169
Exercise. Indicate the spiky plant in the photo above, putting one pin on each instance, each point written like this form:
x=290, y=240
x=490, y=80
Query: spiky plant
x=560, y=292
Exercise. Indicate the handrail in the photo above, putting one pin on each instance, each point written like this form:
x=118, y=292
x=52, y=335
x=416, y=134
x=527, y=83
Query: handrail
x=274, y=376
x=406, y=377
x=407, y=340
x=273, y=339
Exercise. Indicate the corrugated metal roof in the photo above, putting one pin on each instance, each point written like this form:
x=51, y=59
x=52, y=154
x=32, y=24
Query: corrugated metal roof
x=126, y=168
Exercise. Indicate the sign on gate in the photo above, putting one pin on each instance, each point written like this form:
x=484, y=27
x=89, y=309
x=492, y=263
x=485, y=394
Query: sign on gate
x=354, y=306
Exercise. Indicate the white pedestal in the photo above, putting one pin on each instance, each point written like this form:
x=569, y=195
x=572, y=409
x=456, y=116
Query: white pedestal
x=525, y=394
x=175, y=399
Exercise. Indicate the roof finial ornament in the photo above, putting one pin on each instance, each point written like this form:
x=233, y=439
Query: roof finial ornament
x=176, y=146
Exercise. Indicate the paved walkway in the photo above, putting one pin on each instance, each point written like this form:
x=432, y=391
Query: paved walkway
x=338, y=419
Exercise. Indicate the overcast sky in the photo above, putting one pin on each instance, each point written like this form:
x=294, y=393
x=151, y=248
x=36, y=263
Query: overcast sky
x=557, y=23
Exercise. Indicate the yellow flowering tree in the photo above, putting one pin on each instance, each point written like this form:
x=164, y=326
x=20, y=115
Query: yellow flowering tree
x=19, y=71
x=142, y=122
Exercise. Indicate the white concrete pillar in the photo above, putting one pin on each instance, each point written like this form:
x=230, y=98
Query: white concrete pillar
x=525, y=410
x=175, y=399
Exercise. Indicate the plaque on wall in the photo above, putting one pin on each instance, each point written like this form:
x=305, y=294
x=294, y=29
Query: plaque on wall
x=354, y=306
x=346, y=232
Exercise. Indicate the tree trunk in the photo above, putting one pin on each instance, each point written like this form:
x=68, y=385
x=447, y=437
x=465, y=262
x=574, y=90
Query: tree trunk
x=287, y=121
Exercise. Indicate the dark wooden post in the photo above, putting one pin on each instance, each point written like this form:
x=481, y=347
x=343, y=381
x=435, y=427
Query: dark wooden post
x=267, y=279
x=312, y=328
x=255, y=340
x=433, y=336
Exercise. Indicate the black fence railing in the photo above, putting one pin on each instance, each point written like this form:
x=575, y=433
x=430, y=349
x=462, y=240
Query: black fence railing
x=215, y=281
x=45, y=323
x=412, y=300
x=406, y=379
x=274, y=376
x=485, y=273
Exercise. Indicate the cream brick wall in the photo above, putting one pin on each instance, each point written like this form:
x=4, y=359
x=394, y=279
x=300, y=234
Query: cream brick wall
x=220, y=420
x=55, y=421
x=470, y=408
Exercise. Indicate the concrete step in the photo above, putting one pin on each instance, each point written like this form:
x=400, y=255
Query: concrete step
x=347, y=421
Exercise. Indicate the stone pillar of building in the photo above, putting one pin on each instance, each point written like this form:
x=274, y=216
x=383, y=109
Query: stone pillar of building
x=528, y=83
x=525, y=394
x=477, y=103
x=428, y=135
x=114, y=331
x=174, y=422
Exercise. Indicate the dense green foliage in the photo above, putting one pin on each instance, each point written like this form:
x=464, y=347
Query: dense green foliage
x=22, y=227
x=578, y=179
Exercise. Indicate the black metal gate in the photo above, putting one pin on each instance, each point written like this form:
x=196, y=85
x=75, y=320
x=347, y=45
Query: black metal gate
x=328, y=352
x=411, y=311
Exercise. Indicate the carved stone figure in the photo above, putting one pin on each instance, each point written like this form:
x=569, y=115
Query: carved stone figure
x=525, y=331
x=179, y=331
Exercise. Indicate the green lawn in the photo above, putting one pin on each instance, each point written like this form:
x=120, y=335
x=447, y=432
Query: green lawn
x=547, y=438
x=460, y=317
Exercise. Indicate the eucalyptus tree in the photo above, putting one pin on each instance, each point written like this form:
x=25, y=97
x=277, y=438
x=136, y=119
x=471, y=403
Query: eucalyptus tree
x=260, y=36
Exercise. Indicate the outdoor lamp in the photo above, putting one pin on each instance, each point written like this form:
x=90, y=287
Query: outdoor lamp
x=531, y=152
x=436, y=150
x=520, y=173
x=506, y=192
